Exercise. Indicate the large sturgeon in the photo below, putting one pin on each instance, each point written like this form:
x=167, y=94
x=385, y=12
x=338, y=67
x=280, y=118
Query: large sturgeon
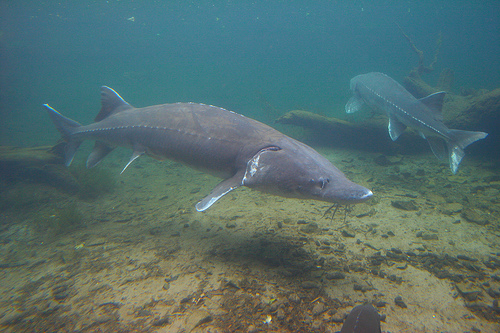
x=379, y=91
x=223, y=143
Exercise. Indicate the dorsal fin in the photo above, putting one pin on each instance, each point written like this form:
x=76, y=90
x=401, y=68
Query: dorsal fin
x=111, y=103
x=435, y=103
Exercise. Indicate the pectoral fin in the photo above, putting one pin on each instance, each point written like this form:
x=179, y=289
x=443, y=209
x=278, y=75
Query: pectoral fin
x=219, y=191
x=437, y=146
x=354, y=104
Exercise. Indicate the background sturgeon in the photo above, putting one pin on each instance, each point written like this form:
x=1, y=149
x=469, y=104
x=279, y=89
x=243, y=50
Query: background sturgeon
x=379, y=91
x=243, y=151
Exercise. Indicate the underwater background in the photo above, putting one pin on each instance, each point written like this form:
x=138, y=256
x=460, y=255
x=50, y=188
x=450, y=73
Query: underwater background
x=93, y=250
x=239, y=55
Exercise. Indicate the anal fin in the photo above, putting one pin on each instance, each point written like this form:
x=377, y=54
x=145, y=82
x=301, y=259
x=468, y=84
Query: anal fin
x=70, y=150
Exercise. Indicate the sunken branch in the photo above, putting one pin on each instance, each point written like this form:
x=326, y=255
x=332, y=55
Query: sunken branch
x=422, y=68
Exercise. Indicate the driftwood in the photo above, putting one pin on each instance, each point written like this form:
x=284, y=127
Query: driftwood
x=421, y=67
x=471, y=110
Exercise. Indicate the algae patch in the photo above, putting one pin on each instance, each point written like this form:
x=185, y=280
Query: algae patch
x=93, y=182
x=60, y=221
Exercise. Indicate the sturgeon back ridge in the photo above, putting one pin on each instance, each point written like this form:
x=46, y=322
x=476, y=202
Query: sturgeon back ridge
x=242, y=151
x=381, y=92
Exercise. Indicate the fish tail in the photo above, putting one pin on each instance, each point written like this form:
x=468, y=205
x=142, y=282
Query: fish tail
x=67, y=128
x=458, y=141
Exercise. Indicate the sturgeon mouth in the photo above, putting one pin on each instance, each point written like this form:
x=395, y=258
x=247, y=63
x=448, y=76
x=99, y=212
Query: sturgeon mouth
x=356, y=198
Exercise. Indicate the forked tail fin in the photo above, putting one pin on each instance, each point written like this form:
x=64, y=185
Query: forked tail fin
x=458, y=141
x=66, y=127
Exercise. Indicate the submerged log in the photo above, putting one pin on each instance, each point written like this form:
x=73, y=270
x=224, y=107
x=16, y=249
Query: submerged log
x=476, y=111
x=37, y=164
x=308, y=119
x=473, y=113
x=367, y=135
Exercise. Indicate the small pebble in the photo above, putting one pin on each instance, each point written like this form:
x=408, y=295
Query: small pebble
x=335, y=276
x=347, y=234
x=316, y=325
x=318, y=309
x=161, y=321
x=309, y=285
x=294, y=298
x=363, y=289
x=399, y=302
x=464, y=257
x=430, y=237
x=252, y=329
x=280, y=315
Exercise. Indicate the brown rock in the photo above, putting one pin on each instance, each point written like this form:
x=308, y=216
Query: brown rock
x=196, y=318
x=318, y=309
x=469, y=291
x=451, y=208
x=404, y=205
x=294, y=298
x=280, y=315
x=473, y=215
x=309, y=285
